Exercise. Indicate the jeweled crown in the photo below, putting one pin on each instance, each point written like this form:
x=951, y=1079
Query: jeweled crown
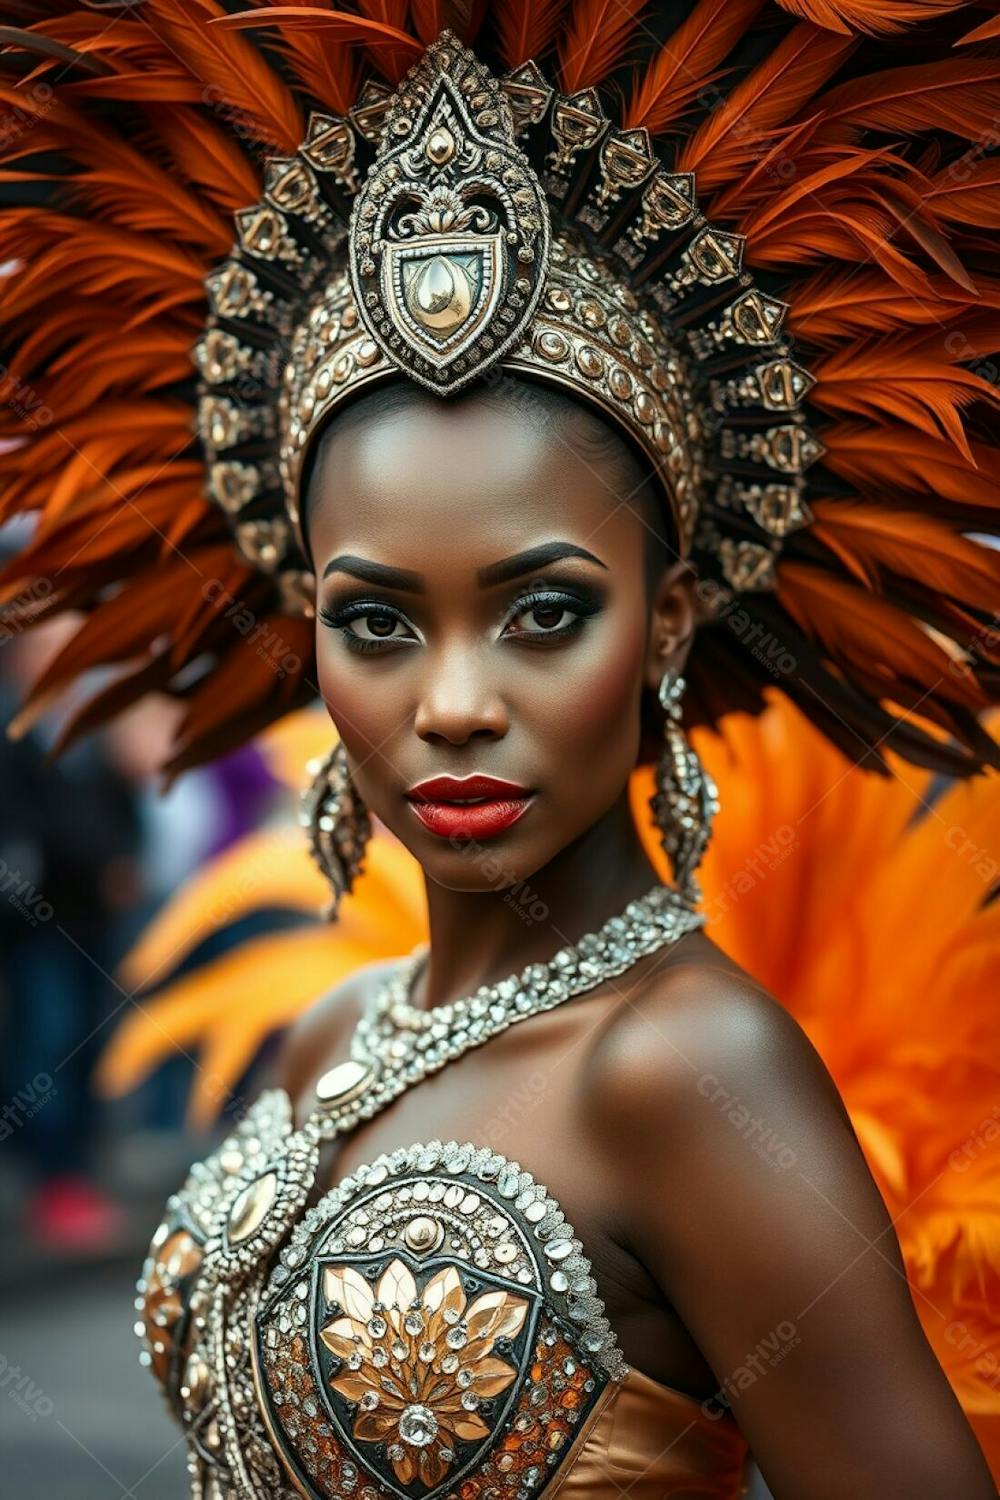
x=463, y=226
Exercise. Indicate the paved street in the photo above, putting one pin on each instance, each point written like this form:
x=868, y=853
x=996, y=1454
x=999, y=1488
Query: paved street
x=79, y=1418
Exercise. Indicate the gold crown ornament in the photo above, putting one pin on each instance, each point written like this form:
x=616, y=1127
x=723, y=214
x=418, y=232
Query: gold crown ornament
x=463, y=226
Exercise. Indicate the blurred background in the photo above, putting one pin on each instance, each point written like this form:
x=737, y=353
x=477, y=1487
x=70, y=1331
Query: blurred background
x=89, y=851
x=153, y=943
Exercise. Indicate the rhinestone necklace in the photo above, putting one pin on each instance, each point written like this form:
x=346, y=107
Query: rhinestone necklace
x=396, y=1044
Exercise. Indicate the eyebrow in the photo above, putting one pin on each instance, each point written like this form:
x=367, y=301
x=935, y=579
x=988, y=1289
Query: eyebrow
x=531, y=560
x=374, y=572
x=528, y=561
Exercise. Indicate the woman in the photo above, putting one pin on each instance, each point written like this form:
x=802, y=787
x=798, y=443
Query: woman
x=512, y=423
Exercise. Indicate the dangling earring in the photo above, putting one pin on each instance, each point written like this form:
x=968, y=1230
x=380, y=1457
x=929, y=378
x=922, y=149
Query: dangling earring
x=686, y=799
x=338, y=822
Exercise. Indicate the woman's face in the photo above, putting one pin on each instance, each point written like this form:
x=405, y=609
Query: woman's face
x=481, y=609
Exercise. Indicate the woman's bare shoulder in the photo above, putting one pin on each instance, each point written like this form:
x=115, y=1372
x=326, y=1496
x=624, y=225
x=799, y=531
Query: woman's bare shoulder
x=701, y=1025
x=320, y=1035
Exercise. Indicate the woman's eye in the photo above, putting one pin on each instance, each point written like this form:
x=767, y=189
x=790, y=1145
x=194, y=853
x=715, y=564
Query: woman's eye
x=367, y=627
x=547, y=615
x=376, y=626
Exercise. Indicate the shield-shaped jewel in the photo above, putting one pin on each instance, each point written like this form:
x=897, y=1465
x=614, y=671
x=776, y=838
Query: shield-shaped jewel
x=442, y=291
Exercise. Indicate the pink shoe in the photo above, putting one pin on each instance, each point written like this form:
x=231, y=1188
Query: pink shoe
x=71, y=1215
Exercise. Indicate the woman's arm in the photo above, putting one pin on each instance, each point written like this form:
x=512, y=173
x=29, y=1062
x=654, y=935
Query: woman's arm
x=748, y=1198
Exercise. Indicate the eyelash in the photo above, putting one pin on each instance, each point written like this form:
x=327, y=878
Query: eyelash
x=340, y=619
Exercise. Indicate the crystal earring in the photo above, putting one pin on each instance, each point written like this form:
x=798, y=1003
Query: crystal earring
x=686, y=799
x=338, y=823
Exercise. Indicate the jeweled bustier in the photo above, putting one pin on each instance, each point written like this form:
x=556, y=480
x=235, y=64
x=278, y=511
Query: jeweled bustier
x=429, y=1328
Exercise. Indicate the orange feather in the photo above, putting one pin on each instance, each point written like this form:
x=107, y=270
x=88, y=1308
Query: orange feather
x=983, y=33
x=235, y=76
x=879, y=645
x=968, y=192
x=741, y=125
x=870, y=17
x=686, y=63
x=841, y=304
x=595, y=40
x=958, y=95
x=888, y=460
x=867, y=537
x=908, y=378
x=526, y=28
x=428, y=19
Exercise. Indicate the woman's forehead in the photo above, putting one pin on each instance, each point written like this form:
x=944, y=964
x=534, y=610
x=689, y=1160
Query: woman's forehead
x=477, y=471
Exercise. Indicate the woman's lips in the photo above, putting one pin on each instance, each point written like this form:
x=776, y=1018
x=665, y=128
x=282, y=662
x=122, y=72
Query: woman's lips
x=469, y=807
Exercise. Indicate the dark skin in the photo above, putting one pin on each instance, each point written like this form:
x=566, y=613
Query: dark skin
x=740, y=1267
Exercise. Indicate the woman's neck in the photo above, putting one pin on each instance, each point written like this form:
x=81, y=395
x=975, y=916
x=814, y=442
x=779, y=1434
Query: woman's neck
x=479, y=937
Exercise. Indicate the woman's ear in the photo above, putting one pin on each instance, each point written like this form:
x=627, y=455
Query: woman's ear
x=671, y=623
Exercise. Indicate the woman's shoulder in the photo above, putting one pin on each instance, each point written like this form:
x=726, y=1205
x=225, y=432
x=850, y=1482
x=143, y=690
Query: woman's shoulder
x=702, y=1029
x=322, y=1033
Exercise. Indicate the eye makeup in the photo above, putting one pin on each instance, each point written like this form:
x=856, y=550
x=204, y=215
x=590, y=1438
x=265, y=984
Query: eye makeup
x=580, y=602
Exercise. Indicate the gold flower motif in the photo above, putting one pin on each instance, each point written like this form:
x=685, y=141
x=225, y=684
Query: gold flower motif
x=418, y=1363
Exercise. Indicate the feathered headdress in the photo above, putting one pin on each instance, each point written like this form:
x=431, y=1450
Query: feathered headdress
x=797, y=197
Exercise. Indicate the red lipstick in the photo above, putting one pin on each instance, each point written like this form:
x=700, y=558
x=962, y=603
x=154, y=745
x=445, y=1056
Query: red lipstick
x=470, y=806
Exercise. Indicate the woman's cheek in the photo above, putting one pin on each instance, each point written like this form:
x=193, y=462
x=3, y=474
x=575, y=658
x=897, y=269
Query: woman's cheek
x=597, y=701
x=363, y=722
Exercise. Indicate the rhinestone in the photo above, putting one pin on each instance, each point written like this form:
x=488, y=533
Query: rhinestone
x=449, y=1363
x=418, y=1425
x=559, y=1249
x=423, y=1234
x=346, y=1080
x=551, y=346
x=620, y=383
x=589, y=362
x=645, y=408
x=376, y=1326
x=369, y=1401
x=413, y=1323
x=470, y=1400
x=251, y=1208
x=455, y=1338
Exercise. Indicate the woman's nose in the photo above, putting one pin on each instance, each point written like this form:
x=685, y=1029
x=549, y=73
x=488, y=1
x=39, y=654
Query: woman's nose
x=458, y=703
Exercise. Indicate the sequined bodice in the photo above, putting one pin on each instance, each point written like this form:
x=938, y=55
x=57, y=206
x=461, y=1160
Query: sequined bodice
x=430, y=1328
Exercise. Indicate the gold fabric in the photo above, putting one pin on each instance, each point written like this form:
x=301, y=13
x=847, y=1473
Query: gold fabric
x=652, y=1442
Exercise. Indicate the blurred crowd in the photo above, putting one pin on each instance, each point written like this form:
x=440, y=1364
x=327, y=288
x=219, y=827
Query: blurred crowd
x=89, y=849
